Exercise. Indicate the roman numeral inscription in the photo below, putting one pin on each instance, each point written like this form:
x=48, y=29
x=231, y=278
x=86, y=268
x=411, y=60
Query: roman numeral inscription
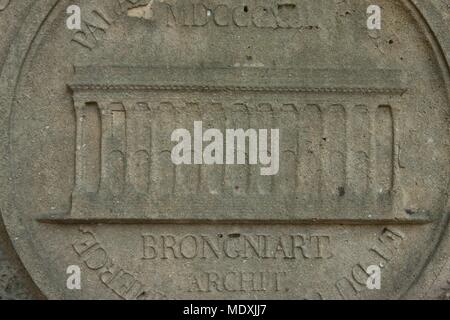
x=337, y=145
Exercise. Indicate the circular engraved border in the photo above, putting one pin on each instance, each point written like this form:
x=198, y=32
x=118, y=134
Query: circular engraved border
x=425, y=13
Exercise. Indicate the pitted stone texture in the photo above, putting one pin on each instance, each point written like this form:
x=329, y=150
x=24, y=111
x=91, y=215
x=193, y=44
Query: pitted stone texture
x=86, y=176
x=15, y=283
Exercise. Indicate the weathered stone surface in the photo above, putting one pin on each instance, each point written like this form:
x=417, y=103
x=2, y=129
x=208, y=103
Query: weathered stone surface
x=87, y=177
x=14, y=281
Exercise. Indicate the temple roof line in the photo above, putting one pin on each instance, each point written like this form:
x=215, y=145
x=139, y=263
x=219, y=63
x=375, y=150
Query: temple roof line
x=120, y=78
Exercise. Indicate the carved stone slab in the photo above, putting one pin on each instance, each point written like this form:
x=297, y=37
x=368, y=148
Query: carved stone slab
x=14, y=282
x=364, y=152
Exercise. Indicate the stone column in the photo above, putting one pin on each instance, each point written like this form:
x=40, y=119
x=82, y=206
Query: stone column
x=113, y=148
x=88, y=137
